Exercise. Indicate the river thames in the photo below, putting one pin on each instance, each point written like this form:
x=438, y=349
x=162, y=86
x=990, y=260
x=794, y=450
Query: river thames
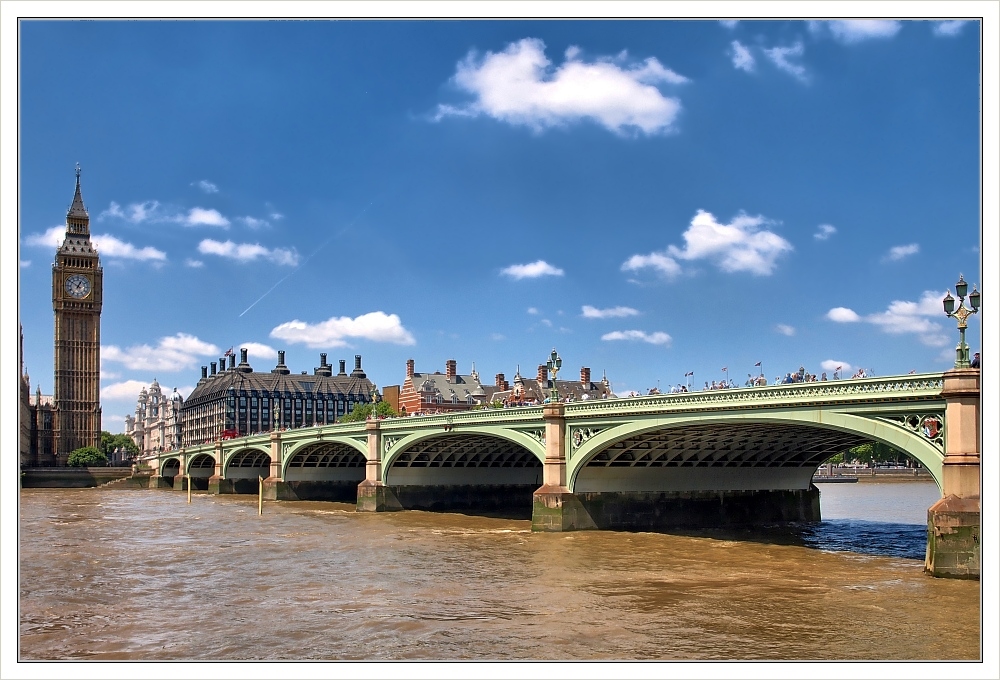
x=141, y=575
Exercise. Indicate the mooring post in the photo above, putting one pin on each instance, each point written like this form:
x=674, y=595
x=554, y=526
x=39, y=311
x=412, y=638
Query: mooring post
x=189, y=486
x=260, y=495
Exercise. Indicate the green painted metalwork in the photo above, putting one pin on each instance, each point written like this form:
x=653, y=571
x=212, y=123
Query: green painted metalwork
x=906, y=412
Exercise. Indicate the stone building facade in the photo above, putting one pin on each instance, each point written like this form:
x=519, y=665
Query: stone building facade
x=236, y=400
x=156, y=425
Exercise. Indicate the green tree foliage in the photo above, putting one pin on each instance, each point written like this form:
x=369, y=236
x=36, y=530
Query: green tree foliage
x=87, y=456
x=361, y=412
x=875, y=451
x=110, y=442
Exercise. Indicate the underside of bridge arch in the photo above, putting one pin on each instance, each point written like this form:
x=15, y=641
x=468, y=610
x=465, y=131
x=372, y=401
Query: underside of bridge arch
x=475, y=473
x=329, y=471
x=243, y=468
x=170, y=468
x=710, y=474
x=200, y=468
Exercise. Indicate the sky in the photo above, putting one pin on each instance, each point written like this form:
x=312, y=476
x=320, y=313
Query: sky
x=649, y=198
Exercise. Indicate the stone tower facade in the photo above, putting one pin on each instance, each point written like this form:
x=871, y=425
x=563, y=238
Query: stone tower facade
x=77, y=296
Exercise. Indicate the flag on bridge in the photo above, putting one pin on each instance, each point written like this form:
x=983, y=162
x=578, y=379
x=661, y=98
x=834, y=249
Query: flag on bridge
x=687, y=374
x=912, y=371
x=839, y=367
x=725, y=369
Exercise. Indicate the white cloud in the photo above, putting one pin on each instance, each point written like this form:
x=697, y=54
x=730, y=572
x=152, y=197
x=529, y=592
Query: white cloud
x=742, y=59
x=254, y=223
x=904, y=317
x=193, y=263
x=532, y=270
x=948, y=29
x=248, y=252
x=276, y=216
x=785, y=329
x=546, y=322
x=205, y=216
x=23, y=264
x=124, y=390
x=135, y=212
x=206, y=186
x=520, y=86
x=657, y=338
x=610, y=313
x=109, y=246
x=665, y=265
x=843, y=315
x=258, y=350
x=728, y=23
x=50, y=238
x=533, y=310
x=172, y=353
x=779, y=56
x=106, y=244
x=899, y=252
x=824, y=231
x=497, y=336
x=335, y=331
x=833, y=365
x=850, y=31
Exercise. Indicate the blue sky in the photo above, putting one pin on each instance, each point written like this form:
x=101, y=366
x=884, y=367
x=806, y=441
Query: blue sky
x=649, y=198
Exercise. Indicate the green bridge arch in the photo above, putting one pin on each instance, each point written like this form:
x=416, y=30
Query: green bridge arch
x=300, y=446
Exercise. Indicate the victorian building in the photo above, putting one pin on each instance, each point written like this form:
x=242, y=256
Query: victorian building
x=537, y=390
x=156, y=425
x=77, y=297
x=238, y=401
x=440, y=392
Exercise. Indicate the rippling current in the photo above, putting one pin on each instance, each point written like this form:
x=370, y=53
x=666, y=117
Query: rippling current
x=116, y=574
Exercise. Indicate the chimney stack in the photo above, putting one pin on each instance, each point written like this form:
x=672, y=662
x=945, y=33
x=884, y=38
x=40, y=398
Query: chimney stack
x=281, y=368
x=322, y=358
x=450, y=370
x=324, y=368
x=343, y=364
x=232, y=362
x=585, y=377
x=543, y=374
x=409, y=368
x=204, y=372
x=499, y=380
x=213, y=368
x=357, y=372
x=222, y=364
x=243, y=355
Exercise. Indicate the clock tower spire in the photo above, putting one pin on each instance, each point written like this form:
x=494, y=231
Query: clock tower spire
x=77, y=297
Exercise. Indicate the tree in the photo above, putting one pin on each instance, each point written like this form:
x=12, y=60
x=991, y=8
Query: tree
x=875, y=452
x=87, y=456
x=383, y=409
x=110, y=442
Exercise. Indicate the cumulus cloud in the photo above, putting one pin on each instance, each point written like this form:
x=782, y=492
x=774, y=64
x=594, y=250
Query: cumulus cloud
x=254, y=222
x=520, y=86
x=172, y=353
x=902, y=317
x=336, y=331
x=742, y=59
x=899, y=252
x=824, y=231
x=780, y=57
x=533, y=310
x=850, y=31
x=843, y=315
x=729, y=23
x=109, y=246
x=106, y=244
x=833, y=365
x=258, y=350
x=742, y=245
x=657, y=338
x=206, y=186
x=123, y=390
x=785, y=329
x=948, y=29
x=610, y=313
x=532, y=270
x=248, y=252
x=662, y=263
x=208, y=217
x=193, y=263
x=134, y=212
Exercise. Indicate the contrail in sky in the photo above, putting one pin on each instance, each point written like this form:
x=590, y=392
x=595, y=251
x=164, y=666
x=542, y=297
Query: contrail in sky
x=321, y=246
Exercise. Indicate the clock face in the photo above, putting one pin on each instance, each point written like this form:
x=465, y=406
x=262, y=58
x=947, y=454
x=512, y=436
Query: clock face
x=78, y=286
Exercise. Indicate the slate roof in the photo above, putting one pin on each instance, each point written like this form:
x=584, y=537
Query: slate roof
x=249, y=383
x=463, y=386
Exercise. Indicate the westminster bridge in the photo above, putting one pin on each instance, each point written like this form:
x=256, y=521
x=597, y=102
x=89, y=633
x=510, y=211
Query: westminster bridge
x=715, y=458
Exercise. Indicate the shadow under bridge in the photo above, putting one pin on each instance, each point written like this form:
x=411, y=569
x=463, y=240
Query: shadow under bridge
x=465, y=472
x=326, y=470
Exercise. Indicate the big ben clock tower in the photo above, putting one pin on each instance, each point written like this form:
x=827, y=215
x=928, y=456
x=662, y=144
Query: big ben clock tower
x=77, y=295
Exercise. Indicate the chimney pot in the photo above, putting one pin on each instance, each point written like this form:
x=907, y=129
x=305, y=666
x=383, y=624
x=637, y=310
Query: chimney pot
x=450, y=370
x=409, y=368
x=499, y=380
x=243, y=355
x=232, y=361
x=343, y=364
x=204, y=372
x=322, y=358
x=213, y=368
x=585, y=376
x=281, y=357
x=543, y=373
x=357, y=362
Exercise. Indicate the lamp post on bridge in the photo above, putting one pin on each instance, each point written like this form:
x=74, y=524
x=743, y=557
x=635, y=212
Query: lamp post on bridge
x=554, y=364
x=962, y=313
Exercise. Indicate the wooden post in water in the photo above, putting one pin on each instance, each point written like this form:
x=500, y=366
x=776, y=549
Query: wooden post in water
x=189, y=487
x=260, y=495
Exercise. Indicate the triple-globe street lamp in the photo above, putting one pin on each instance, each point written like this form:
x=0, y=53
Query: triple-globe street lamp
x=554, y=364
x=961, y=314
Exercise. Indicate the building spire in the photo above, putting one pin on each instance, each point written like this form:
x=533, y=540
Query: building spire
x=78, y=209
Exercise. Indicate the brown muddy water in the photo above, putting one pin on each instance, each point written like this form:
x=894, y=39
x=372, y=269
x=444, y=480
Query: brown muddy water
x=141, y=575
